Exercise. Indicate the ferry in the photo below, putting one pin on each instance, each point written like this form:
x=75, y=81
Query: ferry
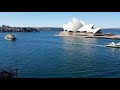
x=10, y=37
x=115, y=45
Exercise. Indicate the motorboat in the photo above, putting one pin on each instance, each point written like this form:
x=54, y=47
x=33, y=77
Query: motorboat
x=10, y=37
x=112, y=44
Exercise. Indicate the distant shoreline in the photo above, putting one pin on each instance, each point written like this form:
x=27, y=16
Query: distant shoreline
x=5, y=28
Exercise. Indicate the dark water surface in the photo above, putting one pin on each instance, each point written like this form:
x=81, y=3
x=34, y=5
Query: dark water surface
x=43, y=55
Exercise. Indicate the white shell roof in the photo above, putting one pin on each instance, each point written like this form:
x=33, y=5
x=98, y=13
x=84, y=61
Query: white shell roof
x=79, y=25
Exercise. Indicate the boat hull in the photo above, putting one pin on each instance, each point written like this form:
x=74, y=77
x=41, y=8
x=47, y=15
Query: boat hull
x=113, y=46
x=11, y=39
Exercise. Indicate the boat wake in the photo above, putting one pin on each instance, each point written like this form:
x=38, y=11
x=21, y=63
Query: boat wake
x=94, y=45
x=97, y=45
x=101, y=45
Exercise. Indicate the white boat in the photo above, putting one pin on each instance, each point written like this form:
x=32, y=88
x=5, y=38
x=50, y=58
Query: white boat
x=112, y=44
x=10, y=37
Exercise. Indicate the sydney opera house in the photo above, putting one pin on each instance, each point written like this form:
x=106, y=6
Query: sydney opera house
x=78, y=27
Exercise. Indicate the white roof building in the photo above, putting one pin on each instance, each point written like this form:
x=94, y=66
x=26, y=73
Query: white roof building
x=79, y=25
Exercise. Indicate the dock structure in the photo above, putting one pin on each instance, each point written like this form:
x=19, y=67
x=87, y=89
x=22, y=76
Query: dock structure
x=8, y=73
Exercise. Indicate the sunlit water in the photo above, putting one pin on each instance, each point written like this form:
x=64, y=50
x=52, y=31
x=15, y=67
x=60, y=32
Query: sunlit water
x=43, y=55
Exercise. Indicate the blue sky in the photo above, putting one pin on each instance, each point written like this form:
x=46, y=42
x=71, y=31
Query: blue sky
x=57, y=19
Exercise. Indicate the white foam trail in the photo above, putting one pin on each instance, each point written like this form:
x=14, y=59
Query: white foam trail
x=85, y=44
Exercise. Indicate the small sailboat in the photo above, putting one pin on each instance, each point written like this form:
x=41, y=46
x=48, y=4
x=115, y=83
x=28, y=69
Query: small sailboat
x=10, y=37
x=115, y=45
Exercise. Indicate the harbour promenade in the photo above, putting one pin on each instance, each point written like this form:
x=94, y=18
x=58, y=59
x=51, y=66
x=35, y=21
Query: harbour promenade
x=90, y=35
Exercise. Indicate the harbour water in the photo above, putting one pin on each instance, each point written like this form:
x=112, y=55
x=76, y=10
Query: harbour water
x=43, y=55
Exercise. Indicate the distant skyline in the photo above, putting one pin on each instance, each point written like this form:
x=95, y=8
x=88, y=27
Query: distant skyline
x=57, y=19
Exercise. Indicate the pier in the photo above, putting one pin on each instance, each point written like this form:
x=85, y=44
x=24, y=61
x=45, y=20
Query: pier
x=8, y=73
